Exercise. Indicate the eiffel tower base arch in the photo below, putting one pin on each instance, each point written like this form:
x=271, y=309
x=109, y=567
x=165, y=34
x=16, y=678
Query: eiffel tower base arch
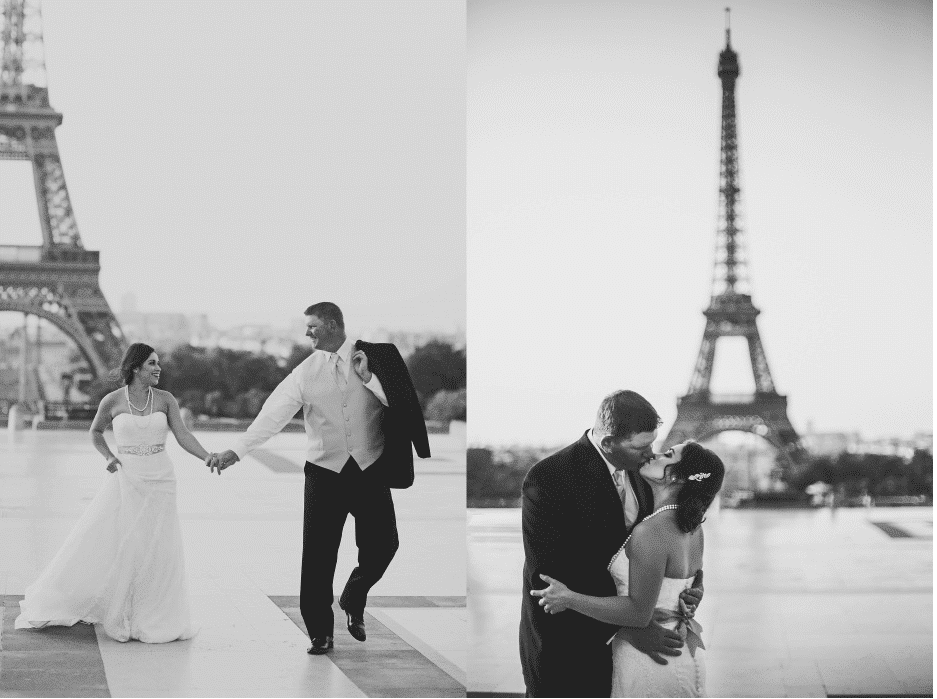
x=699, y=418
x=68, y=296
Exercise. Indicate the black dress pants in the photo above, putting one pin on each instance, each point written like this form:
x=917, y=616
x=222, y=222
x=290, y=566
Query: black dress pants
x=330, y=497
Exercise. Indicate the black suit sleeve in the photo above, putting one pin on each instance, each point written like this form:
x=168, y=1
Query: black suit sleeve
x=542, y=530
x=555, y=543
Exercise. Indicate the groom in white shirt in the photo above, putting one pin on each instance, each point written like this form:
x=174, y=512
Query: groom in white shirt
x=342, y=402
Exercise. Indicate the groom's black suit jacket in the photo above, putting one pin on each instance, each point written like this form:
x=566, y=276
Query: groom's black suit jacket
x=401, y=421
x=573, y=523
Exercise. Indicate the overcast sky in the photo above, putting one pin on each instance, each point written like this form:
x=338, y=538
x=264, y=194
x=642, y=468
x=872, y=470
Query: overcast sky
x=245, y=160
x=593, y=146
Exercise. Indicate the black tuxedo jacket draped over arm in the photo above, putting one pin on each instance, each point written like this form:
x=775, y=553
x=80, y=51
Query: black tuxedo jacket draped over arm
x=402, y=421
x=573, y=523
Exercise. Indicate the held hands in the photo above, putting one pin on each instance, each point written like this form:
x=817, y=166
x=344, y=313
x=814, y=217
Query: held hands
x=221, y=461
x=555, y=598
x=113, y=464
x=359, y=362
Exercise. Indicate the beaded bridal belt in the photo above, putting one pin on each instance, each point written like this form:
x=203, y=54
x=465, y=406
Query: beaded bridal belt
x=142, y=449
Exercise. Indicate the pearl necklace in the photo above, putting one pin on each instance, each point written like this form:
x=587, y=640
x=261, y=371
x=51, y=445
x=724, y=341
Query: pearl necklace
x=149, y=396
x=655, y=512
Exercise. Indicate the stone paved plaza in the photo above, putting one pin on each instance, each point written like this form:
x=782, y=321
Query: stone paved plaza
x=243, y=537
x=798, y=603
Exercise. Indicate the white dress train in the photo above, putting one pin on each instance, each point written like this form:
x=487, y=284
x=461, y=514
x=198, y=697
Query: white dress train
x=122, y=565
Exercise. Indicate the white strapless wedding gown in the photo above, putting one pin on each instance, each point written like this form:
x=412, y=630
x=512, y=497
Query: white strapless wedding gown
x=122, y=564
x=634, y=674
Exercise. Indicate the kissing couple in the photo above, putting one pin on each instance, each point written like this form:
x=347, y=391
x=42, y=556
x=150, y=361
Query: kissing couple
x=613, y=561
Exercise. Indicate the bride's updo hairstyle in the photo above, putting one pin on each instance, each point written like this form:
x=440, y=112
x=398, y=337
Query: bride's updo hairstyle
x=134, y=358
x=701, y=472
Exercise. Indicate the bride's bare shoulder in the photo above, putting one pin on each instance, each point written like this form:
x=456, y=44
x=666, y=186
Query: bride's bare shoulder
x=113, y=397
x=109, y=406
x=653, y=531
x=660, y=532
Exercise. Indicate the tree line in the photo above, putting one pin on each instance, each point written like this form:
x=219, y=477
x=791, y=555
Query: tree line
x=878, y=475
x=232, y=383
x=495, y=480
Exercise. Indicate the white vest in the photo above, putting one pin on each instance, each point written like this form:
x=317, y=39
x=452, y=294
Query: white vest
x=339, y=425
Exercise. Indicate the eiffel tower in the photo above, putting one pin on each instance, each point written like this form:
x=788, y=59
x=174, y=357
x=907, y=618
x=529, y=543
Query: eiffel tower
x=700, y=413
x=58, y=280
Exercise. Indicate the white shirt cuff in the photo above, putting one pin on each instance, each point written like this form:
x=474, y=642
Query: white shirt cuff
x=374, y=385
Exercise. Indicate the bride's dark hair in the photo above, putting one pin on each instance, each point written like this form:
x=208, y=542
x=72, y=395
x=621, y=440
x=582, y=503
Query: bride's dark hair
x=701, y=472
x=133, y=358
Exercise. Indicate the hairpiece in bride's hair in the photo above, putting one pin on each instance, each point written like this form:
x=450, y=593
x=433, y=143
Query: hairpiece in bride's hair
x=699, y=476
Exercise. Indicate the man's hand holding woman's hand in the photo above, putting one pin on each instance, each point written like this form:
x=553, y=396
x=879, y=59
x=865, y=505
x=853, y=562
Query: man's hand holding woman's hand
x=221, y=461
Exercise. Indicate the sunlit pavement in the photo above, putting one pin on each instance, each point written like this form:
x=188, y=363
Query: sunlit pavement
x=243, y=538
x=797, y=602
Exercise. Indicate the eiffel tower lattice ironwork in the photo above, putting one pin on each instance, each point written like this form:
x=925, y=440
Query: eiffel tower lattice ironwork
x=700, y=413
x=58, y=280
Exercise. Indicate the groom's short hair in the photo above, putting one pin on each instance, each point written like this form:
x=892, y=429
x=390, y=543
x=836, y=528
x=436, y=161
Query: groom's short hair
x=625, y=413
x=326, y=310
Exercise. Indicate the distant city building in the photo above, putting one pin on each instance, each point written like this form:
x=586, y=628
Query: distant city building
x=252, y=337
x=163, y=331
x=831, y=443
x=887, y=446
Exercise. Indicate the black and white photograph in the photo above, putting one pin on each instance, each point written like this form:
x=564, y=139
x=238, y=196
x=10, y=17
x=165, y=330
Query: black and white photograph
x=243, y=224
x=700, y=296
x=691, y=242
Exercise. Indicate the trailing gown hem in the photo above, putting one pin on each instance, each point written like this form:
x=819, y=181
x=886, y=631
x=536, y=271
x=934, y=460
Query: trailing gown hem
x=122, y=565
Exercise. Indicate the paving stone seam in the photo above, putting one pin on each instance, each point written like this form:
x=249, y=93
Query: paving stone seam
x=346, y=664
x=47, y=672
x=431, y=654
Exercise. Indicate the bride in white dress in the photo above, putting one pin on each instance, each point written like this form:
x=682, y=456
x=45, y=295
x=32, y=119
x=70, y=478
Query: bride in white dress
x=655, y=564
x=122, y=565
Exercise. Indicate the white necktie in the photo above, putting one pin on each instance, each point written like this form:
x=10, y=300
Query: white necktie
x=340, y=374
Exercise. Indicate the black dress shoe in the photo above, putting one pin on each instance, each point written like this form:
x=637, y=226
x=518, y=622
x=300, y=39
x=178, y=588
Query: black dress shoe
x=320, y=645
x=356, y=625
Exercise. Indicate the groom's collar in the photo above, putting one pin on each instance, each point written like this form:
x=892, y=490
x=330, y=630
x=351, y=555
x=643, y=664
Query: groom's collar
x=595, y=443
x=345, y=350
